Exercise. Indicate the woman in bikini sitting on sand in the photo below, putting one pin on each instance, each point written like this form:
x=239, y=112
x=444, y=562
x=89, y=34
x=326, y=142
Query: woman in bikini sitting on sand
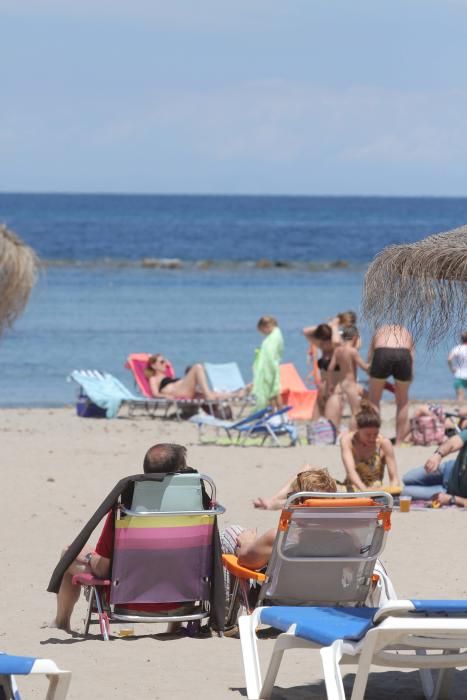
x=192, y=386
x=365, y=453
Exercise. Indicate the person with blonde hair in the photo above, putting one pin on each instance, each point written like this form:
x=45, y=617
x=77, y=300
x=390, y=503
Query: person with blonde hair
x=266, y=375
x=253, y=550
x=366, y=453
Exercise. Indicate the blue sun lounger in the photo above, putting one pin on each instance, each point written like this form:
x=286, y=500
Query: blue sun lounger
x=265, y=423
x=409, y=634
x=11, y=666
x=228, y=378
x=109, y=394
x=316, y=592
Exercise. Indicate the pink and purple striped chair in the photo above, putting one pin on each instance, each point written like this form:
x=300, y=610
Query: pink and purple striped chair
x=166, y=565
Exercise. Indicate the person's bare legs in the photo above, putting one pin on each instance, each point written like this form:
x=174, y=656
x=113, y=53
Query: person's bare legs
x=352, y=394
x=333, y=409
x=375, y=391
x=193, y=382
x=402, y=410
x=68, y=594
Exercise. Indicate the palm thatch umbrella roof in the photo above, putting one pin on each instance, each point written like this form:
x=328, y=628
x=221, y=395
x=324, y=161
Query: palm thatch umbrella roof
x=420, y=285
x=18, y=274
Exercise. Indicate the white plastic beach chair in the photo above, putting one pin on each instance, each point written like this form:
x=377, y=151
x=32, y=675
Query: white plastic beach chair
x=408, y=634
x=326, y=596
x=11, y=666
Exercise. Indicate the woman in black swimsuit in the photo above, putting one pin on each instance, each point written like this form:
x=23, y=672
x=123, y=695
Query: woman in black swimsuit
x=193, y=385
x=321, y=337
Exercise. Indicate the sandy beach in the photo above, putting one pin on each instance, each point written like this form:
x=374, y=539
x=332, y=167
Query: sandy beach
x=57, y=468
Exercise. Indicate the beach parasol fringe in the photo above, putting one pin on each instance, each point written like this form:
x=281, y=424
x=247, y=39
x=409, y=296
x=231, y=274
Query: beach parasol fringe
x=421, y=285
x=18, y=273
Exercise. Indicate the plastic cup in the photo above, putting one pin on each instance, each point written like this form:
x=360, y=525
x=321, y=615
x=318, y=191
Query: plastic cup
x=404, y=503
x=126, y=630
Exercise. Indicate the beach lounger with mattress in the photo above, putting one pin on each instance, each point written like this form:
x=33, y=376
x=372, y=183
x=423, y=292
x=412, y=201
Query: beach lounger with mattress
x=333, y=612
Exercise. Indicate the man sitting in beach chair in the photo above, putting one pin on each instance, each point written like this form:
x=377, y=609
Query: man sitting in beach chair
x=85, y=565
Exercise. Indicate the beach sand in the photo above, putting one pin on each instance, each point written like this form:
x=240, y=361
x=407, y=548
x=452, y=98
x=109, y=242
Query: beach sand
x=57, y=468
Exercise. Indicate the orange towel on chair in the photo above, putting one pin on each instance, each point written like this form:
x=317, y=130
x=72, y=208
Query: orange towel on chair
x=294, y=393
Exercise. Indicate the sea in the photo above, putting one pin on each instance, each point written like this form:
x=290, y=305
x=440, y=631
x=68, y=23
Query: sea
x=189, y=276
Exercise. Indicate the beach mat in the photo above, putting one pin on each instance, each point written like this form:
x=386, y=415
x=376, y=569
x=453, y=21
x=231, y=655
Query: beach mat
x=425, y=505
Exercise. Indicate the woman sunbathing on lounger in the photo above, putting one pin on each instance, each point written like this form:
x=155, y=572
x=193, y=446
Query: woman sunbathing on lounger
x=192, y=386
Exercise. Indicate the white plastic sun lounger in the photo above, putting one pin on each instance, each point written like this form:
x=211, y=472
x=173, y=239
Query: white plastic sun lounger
x=407, y=634
x=11, y=666
x=316, y=592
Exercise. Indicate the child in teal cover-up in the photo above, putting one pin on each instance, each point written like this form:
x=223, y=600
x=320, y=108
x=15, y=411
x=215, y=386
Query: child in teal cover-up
x=266, y=379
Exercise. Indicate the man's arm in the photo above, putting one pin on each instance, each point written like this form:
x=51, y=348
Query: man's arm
x=454, y=444
x=445, y=499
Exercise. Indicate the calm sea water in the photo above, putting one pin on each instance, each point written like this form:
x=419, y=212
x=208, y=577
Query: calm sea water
x=95, y=302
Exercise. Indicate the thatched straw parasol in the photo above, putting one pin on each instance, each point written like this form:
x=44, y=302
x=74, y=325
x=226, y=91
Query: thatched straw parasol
x=18, y=274
x=421, y=285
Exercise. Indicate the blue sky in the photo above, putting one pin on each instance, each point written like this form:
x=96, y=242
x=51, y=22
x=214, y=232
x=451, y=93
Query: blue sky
x=297, y=97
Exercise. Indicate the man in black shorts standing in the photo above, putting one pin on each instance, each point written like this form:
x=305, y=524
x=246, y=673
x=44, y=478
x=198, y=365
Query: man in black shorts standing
x=391, y=354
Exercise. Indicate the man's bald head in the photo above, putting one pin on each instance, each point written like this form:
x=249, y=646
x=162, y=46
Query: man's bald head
x=164, y=458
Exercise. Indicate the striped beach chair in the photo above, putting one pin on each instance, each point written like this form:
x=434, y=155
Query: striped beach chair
x=166, y=564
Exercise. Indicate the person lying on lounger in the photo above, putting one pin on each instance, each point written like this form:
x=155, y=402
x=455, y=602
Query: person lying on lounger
x=193, y=385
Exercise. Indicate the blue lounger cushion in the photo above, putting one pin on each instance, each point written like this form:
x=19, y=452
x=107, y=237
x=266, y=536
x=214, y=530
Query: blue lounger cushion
x=440, y=607
x=323, y=625
x=15, y=665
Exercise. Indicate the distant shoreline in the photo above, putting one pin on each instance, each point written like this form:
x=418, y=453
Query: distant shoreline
x=262, y=264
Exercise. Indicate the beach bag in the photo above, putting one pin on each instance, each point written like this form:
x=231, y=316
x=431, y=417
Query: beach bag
x=321, y=432
x=85, y=408
x=427, y=430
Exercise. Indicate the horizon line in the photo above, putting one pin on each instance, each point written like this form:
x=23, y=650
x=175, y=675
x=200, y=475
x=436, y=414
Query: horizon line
x=105, y=193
